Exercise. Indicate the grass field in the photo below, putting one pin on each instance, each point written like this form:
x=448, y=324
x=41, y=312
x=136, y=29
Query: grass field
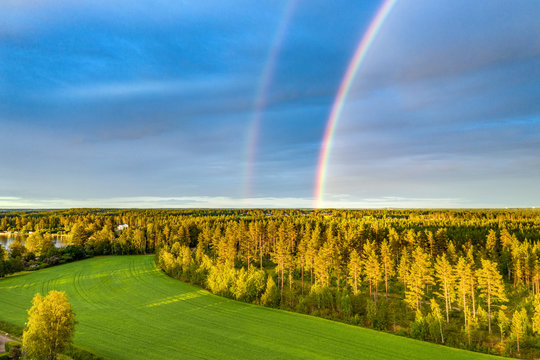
x=127, y=309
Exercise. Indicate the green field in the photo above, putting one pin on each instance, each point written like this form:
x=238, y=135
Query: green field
x=127, y=309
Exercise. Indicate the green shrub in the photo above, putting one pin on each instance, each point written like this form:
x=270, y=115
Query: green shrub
x=322, y=297
x=79, y=354
x=15, y=352
x=11, y=344
x=256, y=283
x=420, y=327
x=11, y=329
x=346, y=306
x=302, y=306
x=271, y=294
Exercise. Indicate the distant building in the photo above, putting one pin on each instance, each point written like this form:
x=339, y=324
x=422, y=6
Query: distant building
x=122, y=227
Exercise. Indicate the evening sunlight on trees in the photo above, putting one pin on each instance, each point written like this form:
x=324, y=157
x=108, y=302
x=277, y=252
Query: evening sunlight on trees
x=465, y=278
x=50, y=326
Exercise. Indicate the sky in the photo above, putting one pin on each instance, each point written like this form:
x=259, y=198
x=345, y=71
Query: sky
x=213, y=103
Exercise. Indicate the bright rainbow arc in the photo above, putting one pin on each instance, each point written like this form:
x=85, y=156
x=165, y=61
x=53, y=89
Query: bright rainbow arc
x=261, y=95
x=344, y=88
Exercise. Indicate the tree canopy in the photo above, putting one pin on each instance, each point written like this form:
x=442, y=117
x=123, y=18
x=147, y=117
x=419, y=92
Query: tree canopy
x=50, y=326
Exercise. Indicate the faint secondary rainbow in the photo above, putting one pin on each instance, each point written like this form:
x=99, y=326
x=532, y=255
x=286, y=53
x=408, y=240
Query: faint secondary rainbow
x=262, y=94
x=337, y=107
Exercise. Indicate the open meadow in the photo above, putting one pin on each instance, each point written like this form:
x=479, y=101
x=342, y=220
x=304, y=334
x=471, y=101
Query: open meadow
x=127, y=309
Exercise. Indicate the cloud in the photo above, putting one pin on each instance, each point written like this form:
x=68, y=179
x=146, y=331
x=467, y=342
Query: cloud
x=446, y=103
x=103, y=99
x=434, y=40
x=132, y=89
x=226, y=202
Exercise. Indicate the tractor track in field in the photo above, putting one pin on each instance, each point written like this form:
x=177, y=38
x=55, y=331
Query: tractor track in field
x=126, y=309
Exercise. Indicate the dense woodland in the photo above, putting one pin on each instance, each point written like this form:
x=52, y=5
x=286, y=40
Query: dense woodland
x=464, y=278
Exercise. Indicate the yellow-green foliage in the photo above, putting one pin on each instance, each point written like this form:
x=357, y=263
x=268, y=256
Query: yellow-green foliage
x=128, y=309
x=38, y=243
x=50, y=326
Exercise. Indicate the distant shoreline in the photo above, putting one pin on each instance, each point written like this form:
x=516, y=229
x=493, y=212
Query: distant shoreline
x=17, y=233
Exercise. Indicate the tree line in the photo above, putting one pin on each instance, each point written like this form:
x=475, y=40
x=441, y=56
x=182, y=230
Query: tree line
x=465, y=278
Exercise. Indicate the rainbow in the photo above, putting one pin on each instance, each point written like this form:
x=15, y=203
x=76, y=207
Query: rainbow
x=337, y=107
x=262, y=94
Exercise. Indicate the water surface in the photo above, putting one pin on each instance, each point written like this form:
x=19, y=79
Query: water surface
x=59, y=240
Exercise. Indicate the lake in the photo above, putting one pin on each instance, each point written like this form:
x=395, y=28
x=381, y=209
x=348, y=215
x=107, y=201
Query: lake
x=5, y=240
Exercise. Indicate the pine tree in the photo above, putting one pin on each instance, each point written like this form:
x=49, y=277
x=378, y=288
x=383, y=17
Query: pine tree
x=472, y=279
x=394, y=240
x=536, y=315
x=227, y=246
x=411, y=239
x=442, y=241
x=462, y=272
x=452, y=253
x=502, y=321
x=371, y=268
x=420, y=275
x=355, y=267
x=282, y=256
x=248, y=242
x=491, y=243
x=437, y=317
x=301, y=257
x=312, y=249
x=430, y=239
x=387, y=263
x=139, y=241
x=491, y=286
x=520, y=322
x=323, y=265
x=507, y=243
x=403, y=269
x=445, y=276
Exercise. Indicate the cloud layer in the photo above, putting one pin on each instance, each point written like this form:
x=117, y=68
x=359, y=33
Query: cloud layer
x=445, y=105
x=150, y=104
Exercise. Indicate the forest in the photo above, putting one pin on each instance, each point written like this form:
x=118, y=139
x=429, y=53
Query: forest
x=463, y=278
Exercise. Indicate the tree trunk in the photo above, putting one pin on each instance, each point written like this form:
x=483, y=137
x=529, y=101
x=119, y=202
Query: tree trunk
x=355, y=282
x=290, y=280
x=469, y=334
x=260, y=251
x=386, y=282
x=302, y=279
x=464, y=306
x=473, y=302
x=446, y=302
x=282, y=276
x=489, y=307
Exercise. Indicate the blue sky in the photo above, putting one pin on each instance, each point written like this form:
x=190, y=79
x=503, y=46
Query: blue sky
x=150, y=104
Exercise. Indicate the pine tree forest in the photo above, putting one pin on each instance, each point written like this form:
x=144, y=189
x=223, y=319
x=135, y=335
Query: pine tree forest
x=463, y=278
